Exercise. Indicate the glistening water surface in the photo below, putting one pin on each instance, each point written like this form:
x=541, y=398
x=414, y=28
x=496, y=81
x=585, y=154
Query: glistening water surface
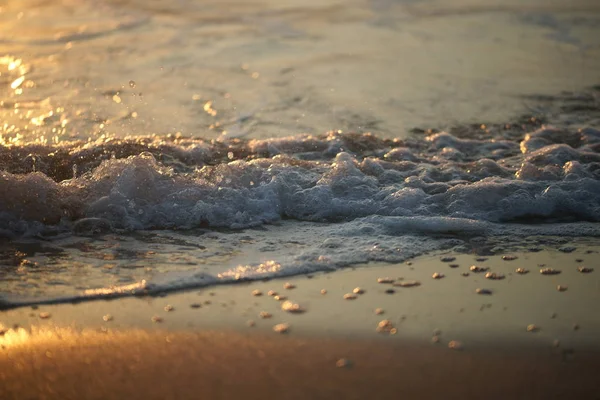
x=151, y=145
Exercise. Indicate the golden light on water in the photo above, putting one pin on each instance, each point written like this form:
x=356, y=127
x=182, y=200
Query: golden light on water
x=240, y=271
x=17, y=82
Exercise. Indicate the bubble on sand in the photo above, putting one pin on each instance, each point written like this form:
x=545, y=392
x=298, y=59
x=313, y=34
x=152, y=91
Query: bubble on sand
x=280, y=297
x=447, y=259
x=271, y=293
x=481, y=259
x=435, y=339
x=509, y=258
x=323, y=291
x=465, y=274
x=195, y=305
x=169, y=308
x=567, y=249
x=522, y=271
x=44, y=315
x=385, y=280
x=107, y=318
x=156, y=319
x=385, y=326
x=256, y=293
x=265, y=315
x=390, y=291
x=436, y=332
x=561, y=288
x=585, y=270
x=483, y=291
x=289, y=285
x=437, y=275
x=282, y=328
x=358, y=290
x=292, y=307
x=532, y=328
x=455, y=345
x=454, y=265
x=406, y=284
x=379, y=311
x=549, y=271
x=475, y=268
x=494, y=276
x=343, y=363
x=250, y=323
x=349, y=296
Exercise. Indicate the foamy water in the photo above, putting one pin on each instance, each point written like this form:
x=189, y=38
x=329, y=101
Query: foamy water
x=166, y=146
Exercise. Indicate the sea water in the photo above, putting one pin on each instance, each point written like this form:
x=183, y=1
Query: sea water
x=149, y=146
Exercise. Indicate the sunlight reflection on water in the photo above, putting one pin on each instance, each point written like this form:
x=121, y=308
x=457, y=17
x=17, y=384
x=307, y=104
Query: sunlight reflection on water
x=281, y=68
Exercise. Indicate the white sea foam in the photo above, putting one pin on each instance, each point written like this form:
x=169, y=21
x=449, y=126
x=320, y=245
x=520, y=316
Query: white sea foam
x=493, y=181
x=343, y=199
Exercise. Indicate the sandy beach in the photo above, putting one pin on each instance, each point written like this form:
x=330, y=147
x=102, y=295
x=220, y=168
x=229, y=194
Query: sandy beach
x=527, y=335
x=207, y=199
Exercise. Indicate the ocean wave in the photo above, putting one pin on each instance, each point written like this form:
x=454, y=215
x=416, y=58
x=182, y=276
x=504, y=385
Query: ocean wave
x=549, y=175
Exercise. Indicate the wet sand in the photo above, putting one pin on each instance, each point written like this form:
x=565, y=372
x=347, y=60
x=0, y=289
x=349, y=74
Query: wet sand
x=527, y=339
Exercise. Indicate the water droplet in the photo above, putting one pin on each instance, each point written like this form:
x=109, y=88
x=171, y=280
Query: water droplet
x=132, y=84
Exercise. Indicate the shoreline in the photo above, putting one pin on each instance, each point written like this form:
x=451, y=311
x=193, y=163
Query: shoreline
x=450, y=304
x=192, y=343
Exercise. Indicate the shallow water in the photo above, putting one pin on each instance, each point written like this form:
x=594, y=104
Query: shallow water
x=89, y=69
x=148, y=146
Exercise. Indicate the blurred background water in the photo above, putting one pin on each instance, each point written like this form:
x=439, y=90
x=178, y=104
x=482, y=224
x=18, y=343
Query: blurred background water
x=79, y=69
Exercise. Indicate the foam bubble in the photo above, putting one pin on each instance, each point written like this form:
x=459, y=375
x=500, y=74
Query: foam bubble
x=341, y=199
